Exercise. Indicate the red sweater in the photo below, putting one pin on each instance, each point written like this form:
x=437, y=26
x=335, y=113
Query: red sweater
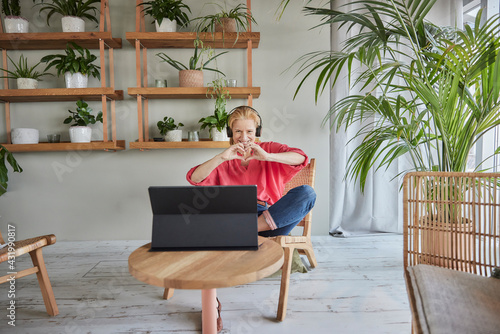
x=270, y=177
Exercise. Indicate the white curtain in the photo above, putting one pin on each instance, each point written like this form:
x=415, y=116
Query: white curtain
x=379, y=208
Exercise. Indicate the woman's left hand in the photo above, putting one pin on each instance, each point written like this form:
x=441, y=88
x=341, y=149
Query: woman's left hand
x=258, y=153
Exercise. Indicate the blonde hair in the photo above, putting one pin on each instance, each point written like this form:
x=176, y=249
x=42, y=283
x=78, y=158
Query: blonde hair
x=242, y=113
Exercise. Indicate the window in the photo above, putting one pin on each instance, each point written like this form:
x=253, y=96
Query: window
x=486, y=145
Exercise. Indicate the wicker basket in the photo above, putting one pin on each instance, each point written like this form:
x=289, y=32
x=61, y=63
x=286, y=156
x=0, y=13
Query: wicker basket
x=228, y=25
x=190, y=78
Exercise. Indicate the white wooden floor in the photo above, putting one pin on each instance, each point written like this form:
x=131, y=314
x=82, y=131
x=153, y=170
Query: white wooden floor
x=358, y=287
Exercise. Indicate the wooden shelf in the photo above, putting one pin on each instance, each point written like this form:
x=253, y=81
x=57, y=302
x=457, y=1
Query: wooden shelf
x=57, y=40
x=162, y=40
x=59, y=94
x=67, y=146
x=190, y=92
x=154, y=145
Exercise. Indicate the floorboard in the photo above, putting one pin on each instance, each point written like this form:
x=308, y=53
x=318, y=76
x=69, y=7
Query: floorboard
x=357, y=287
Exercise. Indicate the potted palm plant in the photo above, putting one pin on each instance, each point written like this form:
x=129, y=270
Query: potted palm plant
x=169, y=129
x=192, y=74
x=76, y=65
x=6, y=156
x=217, y=122
x=73, y=13
x=166, y=14
x=80, y=132
x=232, y=20
x=14, y=22
x=26, y=76
x=431, y=92
x=432, y=100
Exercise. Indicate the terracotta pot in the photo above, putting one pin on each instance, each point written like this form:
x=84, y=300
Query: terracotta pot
x=446, y=244
x=228, y=25
x=190, y=78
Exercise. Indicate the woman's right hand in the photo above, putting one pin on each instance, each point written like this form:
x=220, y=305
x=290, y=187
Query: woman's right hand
x=236, y=151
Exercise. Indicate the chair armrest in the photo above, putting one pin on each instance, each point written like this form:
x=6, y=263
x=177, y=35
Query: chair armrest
x=51, y=239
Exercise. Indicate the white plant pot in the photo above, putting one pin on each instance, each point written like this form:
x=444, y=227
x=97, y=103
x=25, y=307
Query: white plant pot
x=174, y=135
x=16, y=24
x=166, y=26
x=80, y=134
x=72, y=24
x=76, y=80
x=27, y=83
x=25, y=136
x=218, y=135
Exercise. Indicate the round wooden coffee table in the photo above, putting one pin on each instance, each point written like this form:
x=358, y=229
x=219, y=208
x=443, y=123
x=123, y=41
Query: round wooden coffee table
x=205, y=270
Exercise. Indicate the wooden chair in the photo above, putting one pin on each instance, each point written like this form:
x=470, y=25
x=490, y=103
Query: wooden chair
x=300, y=242
x=32, y=246
x=451, y=220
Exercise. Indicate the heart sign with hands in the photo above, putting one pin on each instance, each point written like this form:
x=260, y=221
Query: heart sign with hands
x=236, y=151
x=254, y=151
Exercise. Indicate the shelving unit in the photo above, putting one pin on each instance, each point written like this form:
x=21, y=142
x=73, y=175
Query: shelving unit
x=203, y=143
x=142, y=41
x=101, y=40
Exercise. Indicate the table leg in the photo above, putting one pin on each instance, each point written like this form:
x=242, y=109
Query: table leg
x=209, y=311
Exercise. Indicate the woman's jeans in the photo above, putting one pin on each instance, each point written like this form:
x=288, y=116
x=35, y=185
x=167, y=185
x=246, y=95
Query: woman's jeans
x=289, y=210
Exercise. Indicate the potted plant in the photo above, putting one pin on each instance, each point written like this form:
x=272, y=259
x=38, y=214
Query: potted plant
x=217, y=122
x=431, y=102
x=192, y=74
x=5, y=155
x=76, y=66
x=26, y=77
x=14, y=22
x=166, y=14
x=432, y=92
x=169, y=129
x=80, y=132
x=73, y=12
x=225, y=20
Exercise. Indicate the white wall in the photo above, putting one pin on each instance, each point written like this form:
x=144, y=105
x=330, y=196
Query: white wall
x=103, y=195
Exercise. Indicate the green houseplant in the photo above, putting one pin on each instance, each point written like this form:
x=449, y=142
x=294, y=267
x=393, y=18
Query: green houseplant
x=169, y=129
x=6, y=156
x=167, y=14
x=191, y=75
x=73, y=12
x=76, y=65
x=27, y=77
x=11, y=7
x=232, y=20
x=217, y=122
x=429, y=92
x=14, y=22
x=80, y=132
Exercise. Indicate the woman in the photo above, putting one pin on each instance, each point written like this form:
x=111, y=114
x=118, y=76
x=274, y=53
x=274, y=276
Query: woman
x=268, y=165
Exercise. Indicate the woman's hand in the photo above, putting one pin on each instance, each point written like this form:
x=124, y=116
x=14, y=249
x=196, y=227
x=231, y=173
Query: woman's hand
x=236, y=151
x=256, y=152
